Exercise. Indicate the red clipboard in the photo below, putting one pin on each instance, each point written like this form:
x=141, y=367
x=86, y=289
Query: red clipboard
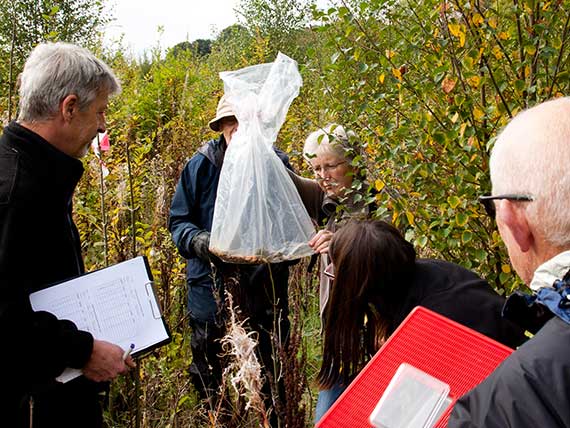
x=451, y=352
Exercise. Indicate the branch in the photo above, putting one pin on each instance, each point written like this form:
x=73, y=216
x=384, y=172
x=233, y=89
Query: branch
x=559, y=60
x=519, y=35
x=484, y=58
x=404, y=78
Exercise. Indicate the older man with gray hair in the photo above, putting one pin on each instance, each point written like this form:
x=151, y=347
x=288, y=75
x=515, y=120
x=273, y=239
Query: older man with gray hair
x=531, y=191
x=64, y=92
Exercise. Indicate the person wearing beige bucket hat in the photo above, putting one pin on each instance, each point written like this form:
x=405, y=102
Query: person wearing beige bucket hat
x=190, y=223
x=225, y=111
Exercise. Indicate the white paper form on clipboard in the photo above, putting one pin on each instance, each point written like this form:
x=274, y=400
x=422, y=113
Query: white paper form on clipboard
x=116, y=304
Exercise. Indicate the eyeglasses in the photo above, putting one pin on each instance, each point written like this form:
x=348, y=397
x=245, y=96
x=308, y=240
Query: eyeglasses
x=329, y=271
x=320, y=170
x=489, y=204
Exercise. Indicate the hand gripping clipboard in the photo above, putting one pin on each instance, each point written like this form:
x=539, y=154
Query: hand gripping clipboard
x=117, y=304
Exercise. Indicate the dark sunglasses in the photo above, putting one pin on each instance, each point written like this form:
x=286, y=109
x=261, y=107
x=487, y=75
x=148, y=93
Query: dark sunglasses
x=489, y=204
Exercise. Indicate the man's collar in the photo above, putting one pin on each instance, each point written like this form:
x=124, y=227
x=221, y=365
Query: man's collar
x=550, y=271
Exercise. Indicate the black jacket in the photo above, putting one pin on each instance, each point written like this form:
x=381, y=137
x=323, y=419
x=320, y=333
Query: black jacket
x=458, y=294
x=39, y=246
x=529, y=389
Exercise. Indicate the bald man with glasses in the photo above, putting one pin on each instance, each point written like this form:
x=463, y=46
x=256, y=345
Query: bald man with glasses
x=531, y=192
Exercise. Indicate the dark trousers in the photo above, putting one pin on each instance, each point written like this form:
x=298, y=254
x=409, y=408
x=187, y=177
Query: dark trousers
x=75, y=404
x=261, y=293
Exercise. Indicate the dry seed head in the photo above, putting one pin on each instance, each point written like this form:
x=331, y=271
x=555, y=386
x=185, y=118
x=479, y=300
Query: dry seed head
x=244, y=369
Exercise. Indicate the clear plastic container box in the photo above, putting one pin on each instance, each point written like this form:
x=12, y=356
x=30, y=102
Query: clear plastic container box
x=413, y=399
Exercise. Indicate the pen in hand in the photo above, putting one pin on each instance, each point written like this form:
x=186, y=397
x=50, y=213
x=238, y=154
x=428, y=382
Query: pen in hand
x=128, y=351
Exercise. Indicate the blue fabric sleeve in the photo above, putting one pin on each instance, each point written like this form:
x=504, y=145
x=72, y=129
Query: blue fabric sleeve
x=181, y=222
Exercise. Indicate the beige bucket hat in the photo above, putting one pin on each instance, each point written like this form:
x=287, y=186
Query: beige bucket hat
x=225, y=109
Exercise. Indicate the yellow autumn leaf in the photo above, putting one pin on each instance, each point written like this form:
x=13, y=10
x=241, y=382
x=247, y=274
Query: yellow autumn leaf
x=381, y=78
x=462, y=39
x=478, y=113
x=454, y=29
x=503, y=35
x=390, y=53
x=410, y=217
x=474, y=81
x=462, y=129
x=478, y=19
x=379, y=185
x=397, y=73
x=527, y=71
x=395, y=216
x=506, y=268
x=493, y=22
x=497, y=52
x=455, y=117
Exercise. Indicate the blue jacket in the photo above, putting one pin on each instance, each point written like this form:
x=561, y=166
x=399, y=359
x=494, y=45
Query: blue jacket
x=192, y=206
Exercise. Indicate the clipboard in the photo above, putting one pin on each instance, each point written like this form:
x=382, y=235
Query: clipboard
x=440, y=347
x=117, y=304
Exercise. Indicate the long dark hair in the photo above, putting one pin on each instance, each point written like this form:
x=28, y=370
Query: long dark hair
x=373, y=264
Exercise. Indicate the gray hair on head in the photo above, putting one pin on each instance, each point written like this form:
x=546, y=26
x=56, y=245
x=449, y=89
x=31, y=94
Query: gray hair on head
x=331, y=139
x=55, y=70
x=532, y=157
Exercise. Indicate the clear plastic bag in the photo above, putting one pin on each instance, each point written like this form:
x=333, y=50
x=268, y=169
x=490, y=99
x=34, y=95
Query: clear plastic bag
x=258, y=215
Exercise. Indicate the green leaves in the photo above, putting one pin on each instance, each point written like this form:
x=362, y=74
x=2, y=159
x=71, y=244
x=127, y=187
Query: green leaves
x=453, y=201
x=427, y=94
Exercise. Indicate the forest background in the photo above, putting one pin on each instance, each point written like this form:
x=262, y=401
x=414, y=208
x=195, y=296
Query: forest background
x=425, y=85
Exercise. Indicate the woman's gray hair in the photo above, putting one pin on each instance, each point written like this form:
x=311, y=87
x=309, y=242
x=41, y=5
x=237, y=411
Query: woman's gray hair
x=531, y=157
x=55, y=70
x=331, y=139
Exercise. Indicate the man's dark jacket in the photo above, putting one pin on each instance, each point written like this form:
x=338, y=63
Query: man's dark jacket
x=530, y=389
x=39, y=246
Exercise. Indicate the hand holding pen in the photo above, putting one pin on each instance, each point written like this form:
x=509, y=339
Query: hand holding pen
x=107, y=361
x=128, y=351
x=127, y=356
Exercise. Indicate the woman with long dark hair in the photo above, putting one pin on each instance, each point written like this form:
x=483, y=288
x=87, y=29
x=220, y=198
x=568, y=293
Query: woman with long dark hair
x=377, y=281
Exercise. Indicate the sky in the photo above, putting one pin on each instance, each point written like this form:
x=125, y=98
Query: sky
x=138, y=21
